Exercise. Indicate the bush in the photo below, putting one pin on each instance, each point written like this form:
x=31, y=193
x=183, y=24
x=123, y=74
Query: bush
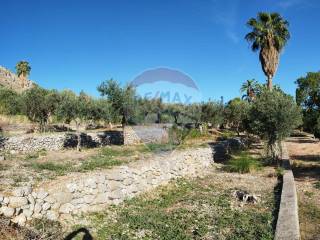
x=273, y=116
x=243, y=164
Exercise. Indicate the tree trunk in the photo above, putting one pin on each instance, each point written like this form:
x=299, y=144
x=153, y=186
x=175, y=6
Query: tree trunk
x=269, y=82
x=78, y=137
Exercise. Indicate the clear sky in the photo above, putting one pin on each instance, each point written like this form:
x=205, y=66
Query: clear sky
x=76, y=44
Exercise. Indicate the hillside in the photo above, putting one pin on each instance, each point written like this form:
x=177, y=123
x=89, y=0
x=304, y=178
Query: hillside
x=11, y=80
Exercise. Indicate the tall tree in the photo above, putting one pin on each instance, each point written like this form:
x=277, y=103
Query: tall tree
x=269, y=35
x=250, y=89
x=122, y=99
x=23, y=70
x=308, y=97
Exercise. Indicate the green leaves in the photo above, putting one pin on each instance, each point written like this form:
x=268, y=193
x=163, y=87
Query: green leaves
x=273, y=116
x=23, y=68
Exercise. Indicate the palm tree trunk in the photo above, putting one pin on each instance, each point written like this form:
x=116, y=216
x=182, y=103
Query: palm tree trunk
x=269, y=83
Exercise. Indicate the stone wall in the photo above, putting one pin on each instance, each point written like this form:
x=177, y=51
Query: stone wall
x=57, y=141
x=155, y=133
x=74, y=194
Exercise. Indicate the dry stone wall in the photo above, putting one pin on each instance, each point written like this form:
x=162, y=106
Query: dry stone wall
x=57, y=141
x=59, y=199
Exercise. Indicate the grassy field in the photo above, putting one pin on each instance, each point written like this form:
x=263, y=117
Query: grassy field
x=202, y=208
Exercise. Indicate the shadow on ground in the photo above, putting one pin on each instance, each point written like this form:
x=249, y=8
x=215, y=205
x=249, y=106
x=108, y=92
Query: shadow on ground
x=81, y=231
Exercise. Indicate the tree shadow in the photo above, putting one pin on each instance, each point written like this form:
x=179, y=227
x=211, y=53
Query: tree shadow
x=302, y=140
x=86, y=236
x=306, y=158
x=277, y=190
x=303, y=171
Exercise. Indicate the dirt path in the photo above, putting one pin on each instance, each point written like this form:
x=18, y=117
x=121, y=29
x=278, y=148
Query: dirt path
x=305, y=153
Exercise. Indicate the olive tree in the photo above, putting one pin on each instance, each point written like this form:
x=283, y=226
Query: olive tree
x=39, y=104
x=272, y=116
x=236, y=113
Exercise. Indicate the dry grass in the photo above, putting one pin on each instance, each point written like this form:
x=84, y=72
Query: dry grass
x=305, y=152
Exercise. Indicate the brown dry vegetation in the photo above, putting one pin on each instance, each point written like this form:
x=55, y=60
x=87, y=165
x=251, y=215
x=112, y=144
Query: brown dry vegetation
x=305, y=153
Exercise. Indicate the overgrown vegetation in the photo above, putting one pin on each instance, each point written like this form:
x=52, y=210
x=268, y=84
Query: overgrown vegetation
x=185, y=210
x=243, y=163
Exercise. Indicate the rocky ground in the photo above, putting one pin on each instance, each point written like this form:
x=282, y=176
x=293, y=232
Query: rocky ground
x=304, y=150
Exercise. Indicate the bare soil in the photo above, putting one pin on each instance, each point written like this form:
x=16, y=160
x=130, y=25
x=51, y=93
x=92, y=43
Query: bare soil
x=305, y=153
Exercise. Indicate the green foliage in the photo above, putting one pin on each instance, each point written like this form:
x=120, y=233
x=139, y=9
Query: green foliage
x=122, y=99
x=308, y=97
x=39, y=104
x=266, y=26
x=23, y=68
x=280, y=171
x=184, y=210
x=10, y=102
x=273, y=116
x=212, y=112
x=236, y=112
x=250, y=88
x=243, y=163
x=57, y=168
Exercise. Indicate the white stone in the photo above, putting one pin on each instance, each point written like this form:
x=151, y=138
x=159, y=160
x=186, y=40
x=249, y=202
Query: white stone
x=46, y=206
x=7, y=211
x=88, y=198
x=28, y=213
x=42, y=194
x=16, y=202
x=66, y=208
x=72, y=187
x=52, y=215
x=20, y=220
x=91, y=183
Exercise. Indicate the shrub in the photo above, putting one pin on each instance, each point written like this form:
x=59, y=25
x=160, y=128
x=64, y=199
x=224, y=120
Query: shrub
x=243, y=164
x=273, y=116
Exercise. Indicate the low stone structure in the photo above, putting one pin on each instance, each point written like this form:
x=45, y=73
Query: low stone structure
x=155, y=133
x=288, y=218
x=57, y=141
x=67, y=195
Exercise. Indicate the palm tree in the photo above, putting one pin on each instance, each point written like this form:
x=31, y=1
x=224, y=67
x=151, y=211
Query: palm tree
x=250, y=89
x=23, y=70
x=269, y=35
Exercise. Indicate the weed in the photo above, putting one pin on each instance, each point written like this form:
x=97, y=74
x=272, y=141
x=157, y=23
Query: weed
x=59, y=169
x=243, y=163
x=279, y=171
x=183, y=210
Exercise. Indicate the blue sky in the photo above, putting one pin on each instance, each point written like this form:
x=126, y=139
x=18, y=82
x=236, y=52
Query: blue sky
x=76, y=44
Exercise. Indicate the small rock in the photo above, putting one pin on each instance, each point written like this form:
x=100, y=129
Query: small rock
x=42, y=194
x=16, y=202
x=7, y=211
x=20, y=220
x=52, y=215
x=88, y=198
x=46, y=206
x=28, y=213
x=66, y=208
x=72, y=187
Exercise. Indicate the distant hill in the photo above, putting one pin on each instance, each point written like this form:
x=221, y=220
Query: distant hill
x=10, y=80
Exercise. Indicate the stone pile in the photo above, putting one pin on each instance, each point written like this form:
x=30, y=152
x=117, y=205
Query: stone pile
x=86, y=192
